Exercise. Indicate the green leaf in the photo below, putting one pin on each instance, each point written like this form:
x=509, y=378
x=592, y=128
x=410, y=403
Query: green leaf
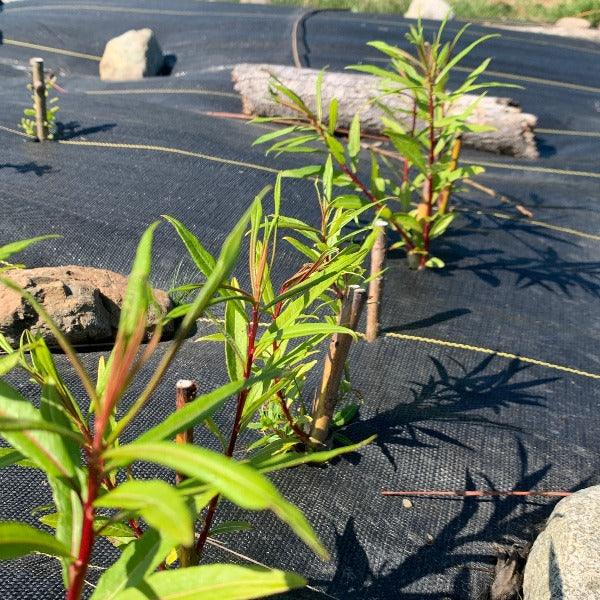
x=333, y=114
x=440, y=225
x=238, y=482
x=160, y=505
x=214, y=582
x=409, y=148
x=302, y=172
x=236, y=339
x=42, y=446
x=9, y=457
x=18, y=539
x=301, y=330
x=267, y=137
x=435, y=263
x=202, y=258
x=458, y=57
x=9, y=249
x=230, y=527
x=345, y=415
x=354, y=136
x=138, y=295
x=192, y=413
x=269, y=464
x=138, y=559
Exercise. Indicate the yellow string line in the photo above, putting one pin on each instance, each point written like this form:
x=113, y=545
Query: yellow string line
x=458, y=345
x=271, y=170
x=15, y=131
x=480, y=350
x=199, y=91
x=153, y=148
x=508, y=217
x=567, y=132
x=535, y=169
x=51, y=49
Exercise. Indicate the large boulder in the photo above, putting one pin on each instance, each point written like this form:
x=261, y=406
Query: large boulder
x=133, y=55
x=573, y=23
x=84, y=302
x=437, y=10
x=565, y=558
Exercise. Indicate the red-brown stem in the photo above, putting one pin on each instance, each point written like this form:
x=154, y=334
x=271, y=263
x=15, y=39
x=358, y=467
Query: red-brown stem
x=476, y=493
x=429, y=190
x=78, y=569
x=235, y=430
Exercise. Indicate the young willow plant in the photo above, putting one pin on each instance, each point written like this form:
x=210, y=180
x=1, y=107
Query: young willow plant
x=278, y=332
x=28, y=124
x=423, y=120
x=88, y=467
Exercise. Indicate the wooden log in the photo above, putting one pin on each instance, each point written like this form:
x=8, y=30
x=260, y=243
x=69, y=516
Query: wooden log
x=39, y=97
x=513, y=129
x=333, y=368
x=378, y=253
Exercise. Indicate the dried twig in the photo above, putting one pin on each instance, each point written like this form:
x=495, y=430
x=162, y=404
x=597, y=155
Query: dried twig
x=476, y=493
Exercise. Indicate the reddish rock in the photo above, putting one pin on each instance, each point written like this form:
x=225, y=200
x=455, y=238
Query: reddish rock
x=84, y=302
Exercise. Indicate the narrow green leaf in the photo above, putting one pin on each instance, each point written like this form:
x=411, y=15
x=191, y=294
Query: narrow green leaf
x=18, y=539
x=354, y=136
x=269, y=464
x=230, y=527
x=192, y=413
x=138, y=295
x=238, y=482
x=159, y=504
x=9, y=249
x=202, y=258
x=138, y=559
x=214, y=582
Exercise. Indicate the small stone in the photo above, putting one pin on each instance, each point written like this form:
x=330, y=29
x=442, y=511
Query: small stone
x=563, y=562
x=436, y=10
x=133, y=55
x=406, y=503
x=573, y=23
x=85, y=303
x=429, y=538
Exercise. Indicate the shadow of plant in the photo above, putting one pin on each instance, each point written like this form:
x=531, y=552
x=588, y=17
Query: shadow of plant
x=72, y=129
x=455, y=551
x=30, y=167
x=451, y=394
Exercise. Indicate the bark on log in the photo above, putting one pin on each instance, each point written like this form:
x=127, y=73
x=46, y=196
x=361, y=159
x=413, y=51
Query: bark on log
x=513, y=134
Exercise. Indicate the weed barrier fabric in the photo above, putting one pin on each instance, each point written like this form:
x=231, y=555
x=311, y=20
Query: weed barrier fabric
x=448, y=414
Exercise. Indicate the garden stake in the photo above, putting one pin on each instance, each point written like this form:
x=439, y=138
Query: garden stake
x=335, y=360
x=476, y=493
x=445, y=195
x=185, y=391
x=39, y=96
x=378, y=253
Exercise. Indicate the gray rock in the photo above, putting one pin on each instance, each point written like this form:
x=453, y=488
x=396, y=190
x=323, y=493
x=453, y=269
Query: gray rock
x=573, y=23
x=565, y=558
x=133, y=55
x=84, y=302
x=437, y=10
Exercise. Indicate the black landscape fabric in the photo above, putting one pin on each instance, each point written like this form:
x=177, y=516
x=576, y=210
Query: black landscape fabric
x=449, y=413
